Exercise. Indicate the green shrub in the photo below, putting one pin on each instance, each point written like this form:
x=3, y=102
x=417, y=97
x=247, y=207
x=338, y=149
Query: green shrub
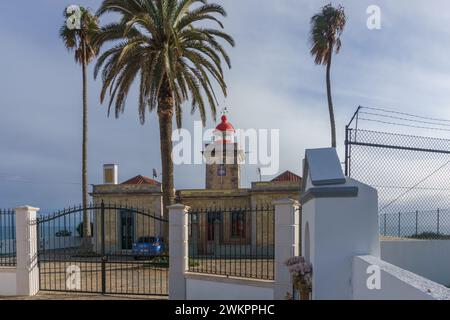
x=430, y=235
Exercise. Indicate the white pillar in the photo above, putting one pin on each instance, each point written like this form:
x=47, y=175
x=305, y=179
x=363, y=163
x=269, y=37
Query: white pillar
x=287, y=220
x=27, y=277
x=178, y=249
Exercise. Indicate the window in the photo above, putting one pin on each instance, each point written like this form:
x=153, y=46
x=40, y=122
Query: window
x=238, y=224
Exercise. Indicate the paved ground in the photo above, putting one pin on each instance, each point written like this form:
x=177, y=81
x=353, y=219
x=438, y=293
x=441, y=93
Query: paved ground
x=58, y=296
x=131, y=278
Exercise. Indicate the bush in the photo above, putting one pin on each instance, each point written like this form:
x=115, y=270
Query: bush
x=430, y=235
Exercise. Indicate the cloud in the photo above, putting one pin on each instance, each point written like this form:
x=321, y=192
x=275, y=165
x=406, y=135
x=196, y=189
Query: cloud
x=273, y=84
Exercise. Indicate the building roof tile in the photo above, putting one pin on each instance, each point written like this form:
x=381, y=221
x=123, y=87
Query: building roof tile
x=142, y=180
x=287, y=176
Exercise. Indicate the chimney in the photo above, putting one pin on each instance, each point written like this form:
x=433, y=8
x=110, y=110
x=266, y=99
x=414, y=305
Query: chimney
x=110, y=174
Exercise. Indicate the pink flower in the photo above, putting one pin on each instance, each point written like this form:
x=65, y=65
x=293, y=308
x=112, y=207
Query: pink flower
x=298, y=267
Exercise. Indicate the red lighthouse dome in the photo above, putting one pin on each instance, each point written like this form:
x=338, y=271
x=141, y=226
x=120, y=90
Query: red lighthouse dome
x=225, y=125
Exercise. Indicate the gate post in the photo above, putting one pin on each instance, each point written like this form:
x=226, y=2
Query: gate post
x=178, y=251
x=287, y=243
x=27, y=276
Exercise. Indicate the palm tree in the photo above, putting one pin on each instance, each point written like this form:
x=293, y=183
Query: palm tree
x=326, y=29
x=81, y=42
x=175, y=59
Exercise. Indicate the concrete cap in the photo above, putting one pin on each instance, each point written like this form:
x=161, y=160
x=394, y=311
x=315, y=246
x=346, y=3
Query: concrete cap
x=324, y=167
x=285, y=201
x=27, y=208
x=178, y=206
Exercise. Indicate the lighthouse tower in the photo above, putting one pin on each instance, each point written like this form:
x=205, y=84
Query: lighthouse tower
x=223, y=158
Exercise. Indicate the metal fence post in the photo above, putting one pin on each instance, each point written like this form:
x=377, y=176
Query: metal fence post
x=384, y=218
x=346, y=151
x=399, y=222
x=438, y=215
x=102, y=218
x=417, y=223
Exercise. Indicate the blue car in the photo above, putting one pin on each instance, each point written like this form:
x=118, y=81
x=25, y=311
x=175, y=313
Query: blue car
x=148, y=247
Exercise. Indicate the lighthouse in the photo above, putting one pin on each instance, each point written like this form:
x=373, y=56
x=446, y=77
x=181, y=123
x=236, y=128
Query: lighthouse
x=223, y=158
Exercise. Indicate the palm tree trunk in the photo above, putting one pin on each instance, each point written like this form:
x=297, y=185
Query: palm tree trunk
x=86, y=220
x=165, y=115
x=330, y=100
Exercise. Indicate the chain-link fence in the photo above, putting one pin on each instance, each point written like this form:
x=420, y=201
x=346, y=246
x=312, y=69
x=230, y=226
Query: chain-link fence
x=434, y=224
x=411, y=172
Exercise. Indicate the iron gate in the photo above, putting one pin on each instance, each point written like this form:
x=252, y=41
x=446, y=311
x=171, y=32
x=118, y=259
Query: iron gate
x=122, y=251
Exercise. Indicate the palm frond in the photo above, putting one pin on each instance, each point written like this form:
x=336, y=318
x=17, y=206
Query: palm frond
x=176, y=60
x=326, y=30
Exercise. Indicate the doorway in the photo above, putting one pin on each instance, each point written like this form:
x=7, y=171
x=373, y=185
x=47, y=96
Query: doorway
x=127, y=232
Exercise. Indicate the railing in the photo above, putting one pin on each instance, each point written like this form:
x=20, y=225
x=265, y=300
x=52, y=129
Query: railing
x=432, y=224
x=7, y=238
x=235, y=242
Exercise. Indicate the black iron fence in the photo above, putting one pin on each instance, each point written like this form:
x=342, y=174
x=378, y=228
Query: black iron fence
x=7, y=237
x=433, y=224
x=235, y=242
x=103, y=248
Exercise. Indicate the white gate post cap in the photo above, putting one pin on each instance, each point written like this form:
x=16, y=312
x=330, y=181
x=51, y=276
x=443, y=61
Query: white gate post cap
x=178, y=206
x=27, y=208
x=285, y=201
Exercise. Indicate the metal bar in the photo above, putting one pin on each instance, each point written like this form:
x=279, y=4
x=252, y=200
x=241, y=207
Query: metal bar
x=417, y=222
x=102, y=218
x=376, y=145
x=354, y=116
x=438, y=220
x=346, y=151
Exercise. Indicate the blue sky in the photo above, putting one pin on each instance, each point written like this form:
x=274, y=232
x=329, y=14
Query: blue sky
x=273, y=84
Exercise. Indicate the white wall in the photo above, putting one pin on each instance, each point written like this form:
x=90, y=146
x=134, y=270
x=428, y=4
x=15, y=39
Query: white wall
x=339, y=229
x=427, y=258
x=396, y=283
x=233, y=289
x=7, y=281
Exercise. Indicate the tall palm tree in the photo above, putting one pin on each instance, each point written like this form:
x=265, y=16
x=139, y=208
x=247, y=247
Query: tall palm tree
x=326, y=29
x=81, y=42
x=176, y=60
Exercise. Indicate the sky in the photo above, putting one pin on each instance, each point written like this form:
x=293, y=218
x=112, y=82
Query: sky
x=273, y=84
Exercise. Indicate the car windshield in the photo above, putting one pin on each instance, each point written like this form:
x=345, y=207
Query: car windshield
x=148, y=240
